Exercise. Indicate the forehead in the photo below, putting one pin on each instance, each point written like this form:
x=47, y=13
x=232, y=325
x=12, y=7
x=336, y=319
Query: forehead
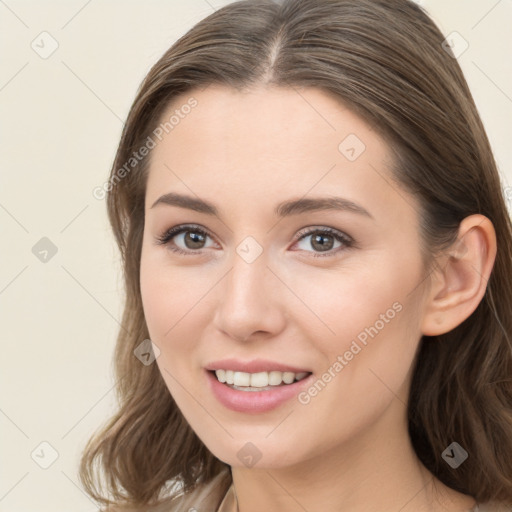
x=270, y=122
x=269, y=143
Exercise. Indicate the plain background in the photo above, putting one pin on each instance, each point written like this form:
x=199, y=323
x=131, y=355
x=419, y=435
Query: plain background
x=61, y=121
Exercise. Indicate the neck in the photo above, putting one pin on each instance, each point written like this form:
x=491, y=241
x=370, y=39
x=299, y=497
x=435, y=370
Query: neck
x=375, y=471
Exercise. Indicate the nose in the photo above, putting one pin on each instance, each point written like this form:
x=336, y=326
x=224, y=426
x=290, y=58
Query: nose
x=250, y=301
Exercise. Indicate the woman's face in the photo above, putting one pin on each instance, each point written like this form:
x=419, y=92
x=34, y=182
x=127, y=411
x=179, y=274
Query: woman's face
x=336, y=293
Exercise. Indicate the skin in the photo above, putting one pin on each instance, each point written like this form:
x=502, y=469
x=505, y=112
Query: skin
x=347, y=449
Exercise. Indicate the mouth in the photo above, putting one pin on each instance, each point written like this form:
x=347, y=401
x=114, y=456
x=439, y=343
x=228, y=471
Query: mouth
x=257, y=385
x=256, y=393
x=259, y=381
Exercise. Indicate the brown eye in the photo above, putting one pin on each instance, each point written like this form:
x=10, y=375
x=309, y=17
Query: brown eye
x=323, y=241
x=193, y=239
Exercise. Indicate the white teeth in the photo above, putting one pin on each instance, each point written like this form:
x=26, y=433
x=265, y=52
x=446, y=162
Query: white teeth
x=288, y=377
x=242, y=379
x=275, y=378
x=258, y=380
x=221, y=375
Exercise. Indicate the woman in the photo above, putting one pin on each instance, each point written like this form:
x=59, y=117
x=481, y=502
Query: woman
x=316, y=243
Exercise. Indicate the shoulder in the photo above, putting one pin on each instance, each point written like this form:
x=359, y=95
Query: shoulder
x=204, y=498
x=492, y=506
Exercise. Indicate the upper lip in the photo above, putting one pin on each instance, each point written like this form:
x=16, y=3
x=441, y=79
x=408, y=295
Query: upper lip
x=253, y=366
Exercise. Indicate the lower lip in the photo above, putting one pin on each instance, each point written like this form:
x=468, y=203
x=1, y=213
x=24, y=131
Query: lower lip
x=255, y=401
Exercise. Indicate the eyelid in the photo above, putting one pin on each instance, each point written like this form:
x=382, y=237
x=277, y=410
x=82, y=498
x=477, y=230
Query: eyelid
x=309, y=230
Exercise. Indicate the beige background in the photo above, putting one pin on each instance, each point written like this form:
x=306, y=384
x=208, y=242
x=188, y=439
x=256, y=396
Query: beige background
x=61, y=121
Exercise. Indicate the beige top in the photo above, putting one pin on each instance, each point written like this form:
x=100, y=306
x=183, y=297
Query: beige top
x=218, y=495
x=213, y=497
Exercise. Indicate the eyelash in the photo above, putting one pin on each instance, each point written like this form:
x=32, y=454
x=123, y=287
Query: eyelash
x=168, y=235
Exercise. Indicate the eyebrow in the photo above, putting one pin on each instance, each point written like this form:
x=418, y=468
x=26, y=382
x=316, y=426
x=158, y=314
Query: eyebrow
x=284, y=209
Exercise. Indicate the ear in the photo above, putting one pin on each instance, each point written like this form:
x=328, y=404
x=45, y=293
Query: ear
x=460, y=280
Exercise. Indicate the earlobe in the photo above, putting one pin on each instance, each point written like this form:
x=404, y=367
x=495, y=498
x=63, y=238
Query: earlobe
x=459, y=283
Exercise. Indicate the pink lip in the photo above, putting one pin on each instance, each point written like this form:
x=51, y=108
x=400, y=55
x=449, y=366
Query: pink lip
x=254, y=366
x=254, y=401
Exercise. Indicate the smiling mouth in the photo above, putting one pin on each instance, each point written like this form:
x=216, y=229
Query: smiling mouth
x=260, y=381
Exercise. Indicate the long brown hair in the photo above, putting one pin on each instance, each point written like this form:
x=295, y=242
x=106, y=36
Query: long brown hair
x=386, y=61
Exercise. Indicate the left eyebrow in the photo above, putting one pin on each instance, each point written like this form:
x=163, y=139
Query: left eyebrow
x=284, y=209
x=303, y=205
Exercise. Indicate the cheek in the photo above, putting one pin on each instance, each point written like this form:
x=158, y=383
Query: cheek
x=361, y=380
x=157, y=302
x=368, y=330
x=167, y=294
x=346, y=305
x=166, y=300
x=175, y=308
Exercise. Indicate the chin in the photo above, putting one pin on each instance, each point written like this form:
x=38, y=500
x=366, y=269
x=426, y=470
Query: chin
x=257, y=452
